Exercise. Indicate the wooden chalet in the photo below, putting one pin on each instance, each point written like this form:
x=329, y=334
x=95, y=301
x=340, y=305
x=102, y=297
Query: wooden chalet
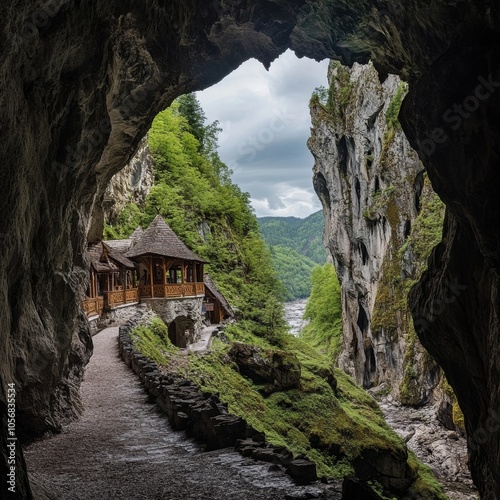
x=215, y=305
x=112, y=280
x=167, y=268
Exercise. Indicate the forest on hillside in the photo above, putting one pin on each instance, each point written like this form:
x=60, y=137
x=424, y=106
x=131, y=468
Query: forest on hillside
x=194, y=193
x=296, y=248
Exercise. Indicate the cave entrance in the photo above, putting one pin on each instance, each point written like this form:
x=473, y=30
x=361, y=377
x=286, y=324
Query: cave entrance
x=181, y=331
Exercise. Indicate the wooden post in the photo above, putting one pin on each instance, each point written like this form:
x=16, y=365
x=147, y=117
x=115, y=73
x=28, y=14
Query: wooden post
x=164, y=276
x=151, y=275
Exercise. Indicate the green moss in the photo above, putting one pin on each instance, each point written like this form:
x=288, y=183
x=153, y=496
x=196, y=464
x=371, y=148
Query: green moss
x=343, y=425
x=332, y=424
x=340, y=90
x=391, y=312
x=409, y=388
x=380, y=201
x=426, y=486
x=458, y=416
x=392, y=113
x=427, y=229
x=151, y=339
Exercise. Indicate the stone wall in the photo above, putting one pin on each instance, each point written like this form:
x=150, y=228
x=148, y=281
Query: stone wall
x=203, y=416
x=184, y=313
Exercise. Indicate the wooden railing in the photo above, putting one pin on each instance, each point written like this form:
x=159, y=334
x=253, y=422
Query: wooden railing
x=120, y=297
x=172, y=291
x=93, y=307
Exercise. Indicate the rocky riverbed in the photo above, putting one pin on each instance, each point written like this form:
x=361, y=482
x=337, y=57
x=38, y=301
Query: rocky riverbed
x=443, y=450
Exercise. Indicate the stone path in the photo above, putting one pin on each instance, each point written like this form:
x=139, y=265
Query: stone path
x=122, y=448
x=204, y=342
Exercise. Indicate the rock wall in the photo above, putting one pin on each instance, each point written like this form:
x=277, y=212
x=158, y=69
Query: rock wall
x=130, y=185
x=81, y=83
x=371, y=184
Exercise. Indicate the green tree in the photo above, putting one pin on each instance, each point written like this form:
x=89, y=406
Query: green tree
x=324, y=311
x=193, y=190
x=190, y=108
x=273, y=319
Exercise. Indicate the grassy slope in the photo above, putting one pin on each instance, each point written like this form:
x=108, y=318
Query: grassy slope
x=344, y=424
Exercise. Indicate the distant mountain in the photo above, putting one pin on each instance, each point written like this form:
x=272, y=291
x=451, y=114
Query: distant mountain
x=296, y=247
x=305, y=236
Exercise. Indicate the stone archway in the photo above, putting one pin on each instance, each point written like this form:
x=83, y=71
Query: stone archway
x=181, y=331
x=81, y=83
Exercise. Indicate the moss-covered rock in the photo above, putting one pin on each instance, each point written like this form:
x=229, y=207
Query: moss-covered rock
x=279, y=368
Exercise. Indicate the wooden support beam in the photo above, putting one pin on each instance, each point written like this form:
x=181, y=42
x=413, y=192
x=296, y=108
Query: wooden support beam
x=151, y=274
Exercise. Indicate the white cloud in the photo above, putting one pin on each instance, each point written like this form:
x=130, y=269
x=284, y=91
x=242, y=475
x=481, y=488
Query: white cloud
x=266, y=124
x=292, y=201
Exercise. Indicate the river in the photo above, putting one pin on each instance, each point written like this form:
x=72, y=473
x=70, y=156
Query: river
x=293, y=315
x=443, y=450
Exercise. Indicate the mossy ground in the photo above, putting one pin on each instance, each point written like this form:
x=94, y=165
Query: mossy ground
x=151, y=339
x=331, y=426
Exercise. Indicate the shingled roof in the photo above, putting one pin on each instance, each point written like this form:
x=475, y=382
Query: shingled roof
x=159, y=239
x=212, y=287
x=105, y=259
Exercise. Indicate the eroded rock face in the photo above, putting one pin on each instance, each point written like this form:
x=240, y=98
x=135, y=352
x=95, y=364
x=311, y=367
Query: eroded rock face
x=130, y=185
x=370, y=182
x=81, y=82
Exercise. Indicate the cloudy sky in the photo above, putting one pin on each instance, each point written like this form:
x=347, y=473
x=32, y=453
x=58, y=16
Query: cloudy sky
x=265, y=121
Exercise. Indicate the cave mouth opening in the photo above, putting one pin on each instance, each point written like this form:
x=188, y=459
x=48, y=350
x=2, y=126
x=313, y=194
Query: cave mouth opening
x=265, y=123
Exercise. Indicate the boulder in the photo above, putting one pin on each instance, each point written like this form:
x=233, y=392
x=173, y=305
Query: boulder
x=267, y=366
x=352, y=489
x=303, y=471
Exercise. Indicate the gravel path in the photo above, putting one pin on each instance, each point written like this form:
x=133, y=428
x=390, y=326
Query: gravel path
x=205, y=339
x=122, y=448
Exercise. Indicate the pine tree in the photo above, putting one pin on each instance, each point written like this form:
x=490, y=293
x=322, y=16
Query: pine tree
x=190, y=108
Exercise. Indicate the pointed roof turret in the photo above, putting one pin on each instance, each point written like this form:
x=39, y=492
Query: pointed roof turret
x=159, y=239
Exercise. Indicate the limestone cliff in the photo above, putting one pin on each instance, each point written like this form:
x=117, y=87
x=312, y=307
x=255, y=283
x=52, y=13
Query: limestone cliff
x=371, y=184
x=130, y=185
x=80, y=84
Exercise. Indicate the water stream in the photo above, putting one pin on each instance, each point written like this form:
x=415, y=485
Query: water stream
x=293, y=315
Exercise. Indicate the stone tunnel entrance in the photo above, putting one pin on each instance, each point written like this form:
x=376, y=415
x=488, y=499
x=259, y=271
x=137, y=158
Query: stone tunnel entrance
x=181, y=331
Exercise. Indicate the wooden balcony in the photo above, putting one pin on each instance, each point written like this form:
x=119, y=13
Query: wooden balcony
x=172, y=291
x=120, y=297
x=93, y=307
